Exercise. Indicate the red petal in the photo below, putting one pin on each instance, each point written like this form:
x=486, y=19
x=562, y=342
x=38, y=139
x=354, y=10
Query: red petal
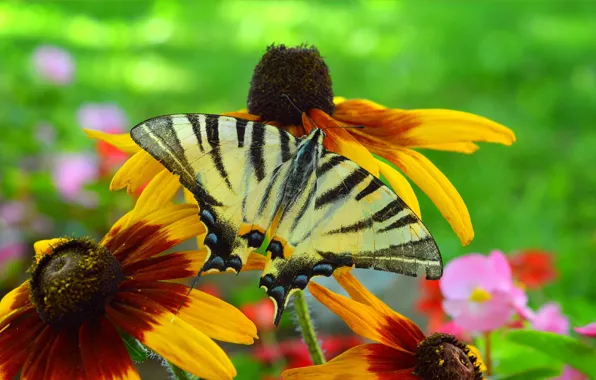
x=15, y=341
x=103, y=352
x=37, y=360
x=64, y=359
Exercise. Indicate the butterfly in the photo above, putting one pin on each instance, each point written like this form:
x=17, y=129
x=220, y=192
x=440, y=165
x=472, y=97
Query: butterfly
x=312, y=210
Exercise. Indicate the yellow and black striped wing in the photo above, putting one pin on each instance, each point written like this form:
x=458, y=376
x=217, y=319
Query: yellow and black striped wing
x=351, y=219
x=223, y=161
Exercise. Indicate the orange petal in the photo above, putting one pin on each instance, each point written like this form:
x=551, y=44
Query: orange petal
x=103, y=353
x=171, y=337
x=64, y=359
x=243, y=114
x=438, y=188
x=203, y=311
x=458, y=147
x=39, y=355
x=121, y=141
x=43, y=247
x=400, y=185
x=136, y=172
x=16, y=340
x=15, y=299
x=338, y=99
x=340, y=141
x=368, y=361
x=363, y=319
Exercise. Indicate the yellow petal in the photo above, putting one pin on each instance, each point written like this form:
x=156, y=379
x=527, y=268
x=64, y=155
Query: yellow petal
x=476, y=352
x=136, y=172
x=159, y=192
x=438, y=188
x=401, y=186
x=14, y=299
x=43, y=247
x=338, y=99
x=459, y=147
x=121, y=141
x=364, y=320
x=171, y=337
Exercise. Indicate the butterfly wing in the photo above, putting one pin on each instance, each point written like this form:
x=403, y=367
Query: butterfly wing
x=221, y=160
x=351, y=219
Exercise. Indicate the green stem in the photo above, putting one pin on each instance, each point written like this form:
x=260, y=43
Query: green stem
x=307, y=328
x=179, y=373
x=487, y=354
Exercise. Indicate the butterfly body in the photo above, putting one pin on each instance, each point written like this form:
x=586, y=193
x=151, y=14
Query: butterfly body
x=313, y=210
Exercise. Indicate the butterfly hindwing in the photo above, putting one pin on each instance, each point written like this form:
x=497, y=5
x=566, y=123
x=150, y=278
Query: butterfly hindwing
x=221, y=160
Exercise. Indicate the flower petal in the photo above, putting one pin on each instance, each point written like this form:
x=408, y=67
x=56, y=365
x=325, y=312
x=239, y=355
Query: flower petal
x=359, y=293
x=15, y=341
x=201, y=310
x=474, y=351
x=64, y=359
x=368, y=361
x=103, y=353
x=39, y=355
x=340, y=141
x=171, y=337
x=365, y=320
x=400, y=185
x=15, y=299
x=43, y=247
x=438, y=188
x=243, y=114
x=458, y=147
x=121, y=141
x=587, y=330
x=136, y=172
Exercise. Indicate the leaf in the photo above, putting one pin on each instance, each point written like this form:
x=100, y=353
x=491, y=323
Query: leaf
x=536, y=374
x=136, y=350
x=560, y=347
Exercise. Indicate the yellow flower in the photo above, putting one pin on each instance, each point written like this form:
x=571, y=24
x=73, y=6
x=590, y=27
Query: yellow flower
x=288, y=80
x=64, y=322
x=401, y=350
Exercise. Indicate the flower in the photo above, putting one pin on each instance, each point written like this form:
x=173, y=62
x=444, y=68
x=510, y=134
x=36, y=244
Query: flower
x=431, y=304
x=262, y=314
x=550, y=318
x=587, y=330
x=64, y=322
x=533, y=267
x=53, y=64
x=71, y=172
x=291, y=88
x=570, y=373
x=402, y=351
x=479, y=292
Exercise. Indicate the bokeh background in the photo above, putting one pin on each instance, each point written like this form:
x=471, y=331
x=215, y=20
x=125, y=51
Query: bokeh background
x=529, y=65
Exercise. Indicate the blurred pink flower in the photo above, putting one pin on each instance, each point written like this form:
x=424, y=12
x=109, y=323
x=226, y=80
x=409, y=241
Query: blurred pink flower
x=570, y=373
x=549, y=318
x=12, y=212
x=453, y=329
x=53, y=64
x=11, y=247
x=72, y=171
x=587, y=330
x=479, y=292
x=105, y=117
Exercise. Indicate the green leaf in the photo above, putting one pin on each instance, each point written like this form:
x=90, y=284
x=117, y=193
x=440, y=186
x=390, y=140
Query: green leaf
x=560, y=347
x=136, y=350
x=536, y=374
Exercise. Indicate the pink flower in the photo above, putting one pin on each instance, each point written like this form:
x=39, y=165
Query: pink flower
x=479, y=292
x=53, y=64
x=453, y=329
x=570, y=373
x=13, y=212
x=550, y=318
x=71, y=173
x=105, y=117
x=587, y=330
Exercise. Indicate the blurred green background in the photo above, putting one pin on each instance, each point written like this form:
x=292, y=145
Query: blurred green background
x=529, y=65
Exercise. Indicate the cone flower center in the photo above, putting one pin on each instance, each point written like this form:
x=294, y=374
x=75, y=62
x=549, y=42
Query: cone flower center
x=297, y=73
x=480, y=295
x=73, y=282
x=444, y=357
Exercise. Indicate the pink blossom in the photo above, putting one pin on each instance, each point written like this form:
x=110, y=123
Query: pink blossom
x=13, y=212
x=479, y=292
x=105, y=117
x=53, y=64
x=550, y=318
x=11, y=246
x=587, y=330
x=570, y=373
x=71, y=173
x=454, y=329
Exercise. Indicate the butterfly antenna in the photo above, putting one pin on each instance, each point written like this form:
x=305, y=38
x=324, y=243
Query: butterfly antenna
x=299, y=110
x=192, y=286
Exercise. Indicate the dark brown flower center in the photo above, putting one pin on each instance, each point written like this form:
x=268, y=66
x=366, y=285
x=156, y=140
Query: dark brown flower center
x=444, y=357
x=301, y=74
x=72, y=284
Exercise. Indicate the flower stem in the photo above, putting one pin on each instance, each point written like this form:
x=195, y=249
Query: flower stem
x=487, y=354
x=307, y=328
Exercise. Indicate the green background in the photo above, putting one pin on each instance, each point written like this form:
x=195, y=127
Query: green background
x=529, y=65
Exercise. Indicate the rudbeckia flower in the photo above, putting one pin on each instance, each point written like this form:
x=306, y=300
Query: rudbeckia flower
x=291, y=88
x=64, y=322
x=401, y=351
